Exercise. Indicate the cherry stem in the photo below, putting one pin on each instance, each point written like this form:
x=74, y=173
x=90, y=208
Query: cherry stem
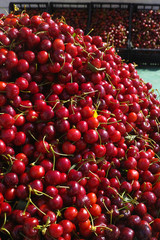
x=90, y=31
x=59, y=214
x=83, y=178
x=48, y=96
x=44, y=144
x=43, y=84
x=95, y=175
x=63, y=63
x=30, y=200
x=5, y=220
x=37, y=207
x=83, y=162
x=107, y=172
x=132, y=200
x=8, y=157
x=49, y=56
x=111, y=216
x=25, y=106
x=44, y=227
x=100, y=140
x=104, y=227
x=3, y=226
x=5, y=230
x=62, y=19
x=41, y=32
x=156, y=181
x=157, y=157
x=116, y=192
x=108, y=211
x=33, y=136
x=71, y=78
x=61, y=154
x=54, y=158
x=39, y=193
x=16, y=8
x=59, y=186
x=20, y=114
x=37, y=159
x=90, y=216
x=94, y=69
x=132, y=127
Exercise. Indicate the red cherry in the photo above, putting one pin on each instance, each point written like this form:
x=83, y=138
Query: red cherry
x=68, y=147
x=63, y=164
x=42, y=57
x=132, y=174
x=82, y=215
x=73, y=135
x=1, y=198
x=2, y=147
x=22, y=66
x=71, y=213
x=156, y=225
x=56, y=203
x=95, y=210
x=12, y=90
x=18, y=167
x=36, y=172
x=30, y=225
x=91, y=136
x=99, y=150
x=42, y=146
x=51, y=216
x=53, y=177
x=55, y=230
x=58, y=44
x=67, y=226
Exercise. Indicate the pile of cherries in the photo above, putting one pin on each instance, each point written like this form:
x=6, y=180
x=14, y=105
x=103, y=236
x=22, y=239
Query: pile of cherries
x=146, y=31
x=79, y=137
x=112, y=25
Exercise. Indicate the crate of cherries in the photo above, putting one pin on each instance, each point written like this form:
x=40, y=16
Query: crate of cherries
x=75, y=14
x=111, y=21
x=146, y=26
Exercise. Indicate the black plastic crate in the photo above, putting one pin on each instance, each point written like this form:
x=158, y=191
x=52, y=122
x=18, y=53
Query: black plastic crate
x=104, y=22
x=31, y=7
x=110, y=5
x=145, y=34
x=145, y=57
x=146, y=7
x=124, y=53
x=142, y=57
x=75, y=14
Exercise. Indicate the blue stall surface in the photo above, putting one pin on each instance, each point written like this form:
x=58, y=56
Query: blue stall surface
x=150, y=74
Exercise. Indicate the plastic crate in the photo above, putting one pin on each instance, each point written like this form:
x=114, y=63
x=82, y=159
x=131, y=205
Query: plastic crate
x=111, y=21
x=124, y=53
x=142, y=57
x=145, y=57
x=145, y=35
x=32, y=8
x=75, y=14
